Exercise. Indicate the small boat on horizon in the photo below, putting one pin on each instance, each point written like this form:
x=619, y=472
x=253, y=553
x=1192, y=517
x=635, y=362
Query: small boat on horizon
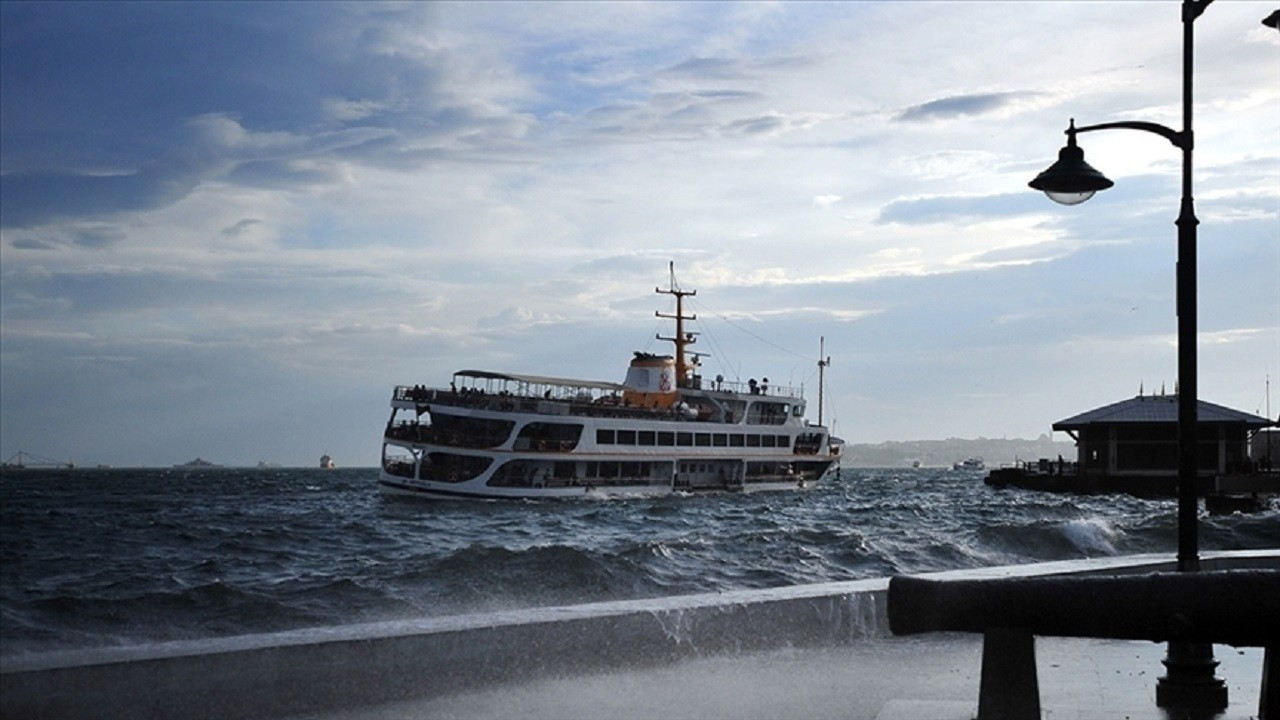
x=327, y=463
x=663, y=430
x=972, y=463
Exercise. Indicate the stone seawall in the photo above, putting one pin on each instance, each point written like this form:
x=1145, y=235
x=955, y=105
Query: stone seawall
x=279, y=674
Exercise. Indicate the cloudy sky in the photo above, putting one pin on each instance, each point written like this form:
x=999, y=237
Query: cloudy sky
x=229, y=229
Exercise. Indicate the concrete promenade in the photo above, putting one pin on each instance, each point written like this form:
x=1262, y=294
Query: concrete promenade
x=815, y=651
x=917, y=678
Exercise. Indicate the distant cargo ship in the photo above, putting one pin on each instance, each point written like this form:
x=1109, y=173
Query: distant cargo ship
x=197, y=463
x=326, y=463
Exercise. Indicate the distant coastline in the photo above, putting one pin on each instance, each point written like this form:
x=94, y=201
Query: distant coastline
x=942, y=453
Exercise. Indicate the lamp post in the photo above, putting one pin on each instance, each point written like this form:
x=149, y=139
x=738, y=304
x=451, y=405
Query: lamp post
x=1190, y=681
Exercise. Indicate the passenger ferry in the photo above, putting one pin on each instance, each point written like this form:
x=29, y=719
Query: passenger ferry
x=662, y=430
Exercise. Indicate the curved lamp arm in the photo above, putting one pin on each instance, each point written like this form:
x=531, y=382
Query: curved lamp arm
x=1181, y=140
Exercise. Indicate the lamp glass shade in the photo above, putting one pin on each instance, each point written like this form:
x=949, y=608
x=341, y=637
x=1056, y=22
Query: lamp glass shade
x=1069, y=198
x=1070, y=180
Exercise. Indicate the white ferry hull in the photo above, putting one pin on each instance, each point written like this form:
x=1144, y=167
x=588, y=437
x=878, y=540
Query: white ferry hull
x=457, y=446
x=400, y=487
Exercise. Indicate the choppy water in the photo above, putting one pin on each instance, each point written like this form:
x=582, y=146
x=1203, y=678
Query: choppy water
x=94, y=557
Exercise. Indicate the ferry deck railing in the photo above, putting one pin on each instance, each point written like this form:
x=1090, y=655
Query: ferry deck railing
x=552, y=405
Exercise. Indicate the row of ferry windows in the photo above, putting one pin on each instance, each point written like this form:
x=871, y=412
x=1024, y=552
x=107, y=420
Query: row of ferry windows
x=688, y=439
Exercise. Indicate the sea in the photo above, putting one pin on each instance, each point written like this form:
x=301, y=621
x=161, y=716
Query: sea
x=113, y=557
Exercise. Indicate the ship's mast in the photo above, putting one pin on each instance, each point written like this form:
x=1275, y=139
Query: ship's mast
x=823, y=362
x=682, y=338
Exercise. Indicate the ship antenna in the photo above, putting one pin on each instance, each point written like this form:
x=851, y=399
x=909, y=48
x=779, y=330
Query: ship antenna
x=823, y=362
x=682, y=338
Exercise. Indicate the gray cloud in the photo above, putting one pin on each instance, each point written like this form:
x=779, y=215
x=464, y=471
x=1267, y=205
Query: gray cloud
x=690, y=115
x=214, y=146
x=947, y=208
x=1036, y=252
x=180, y=294
x=34, y=244
x=241, y=227
x=708, y=68
x=33, y=198
x=718, y=68
x=326, y=84
x=758, y=125
x=97, y=237
x=961, y=106
x=91, y=237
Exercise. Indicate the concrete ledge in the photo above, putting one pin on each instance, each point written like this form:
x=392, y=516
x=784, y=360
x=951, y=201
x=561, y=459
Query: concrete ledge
x=294, y=672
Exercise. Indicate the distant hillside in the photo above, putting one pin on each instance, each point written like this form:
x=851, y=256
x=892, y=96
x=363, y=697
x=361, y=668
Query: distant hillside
x=994, y=451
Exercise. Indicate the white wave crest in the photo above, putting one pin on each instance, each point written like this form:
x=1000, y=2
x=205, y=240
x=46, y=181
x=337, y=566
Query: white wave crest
x=1092, y=535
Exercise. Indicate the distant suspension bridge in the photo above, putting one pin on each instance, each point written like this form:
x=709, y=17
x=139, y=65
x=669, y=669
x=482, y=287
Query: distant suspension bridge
x=23, y=460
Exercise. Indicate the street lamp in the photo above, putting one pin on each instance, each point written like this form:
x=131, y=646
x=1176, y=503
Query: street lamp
x=1071, y=180
x=1190, y=681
